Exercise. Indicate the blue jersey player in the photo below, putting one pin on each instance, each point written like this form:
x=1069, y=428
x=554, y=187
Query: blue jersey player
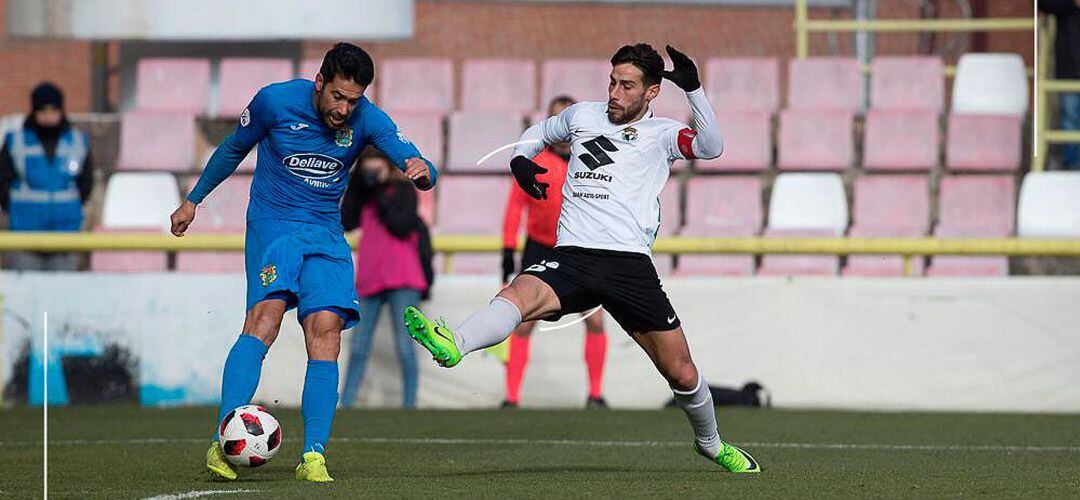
x=308, y=134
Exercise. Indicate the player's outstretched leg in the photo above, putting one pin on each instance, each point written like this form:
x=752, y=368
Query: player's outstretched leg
x=322, y=333
x=671, y=355
x=243, y=368
x=526, y=298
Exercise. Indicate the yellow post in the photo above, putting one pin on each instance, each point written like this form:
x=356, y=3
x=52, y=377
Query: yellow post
x=802, y=35
x=907, y=265
x=1040, y=146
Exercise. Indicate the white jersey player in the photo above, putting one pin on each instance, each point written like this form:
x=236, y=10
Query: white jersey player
x=621, y=156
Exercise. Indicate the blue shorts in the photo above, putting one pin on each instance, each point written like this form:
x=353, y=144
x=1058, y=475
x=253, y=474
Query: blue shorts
x=307, y=265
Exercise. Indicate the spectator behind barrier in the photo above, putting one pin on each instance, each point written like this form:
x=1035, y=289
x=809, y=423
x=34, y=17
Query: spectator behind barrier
x=1067, y=67
x=46, y=175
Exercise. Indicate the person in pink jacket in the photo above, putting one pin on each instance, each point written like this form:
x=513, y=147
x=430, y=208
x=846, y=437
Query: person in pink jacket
x=392, y=264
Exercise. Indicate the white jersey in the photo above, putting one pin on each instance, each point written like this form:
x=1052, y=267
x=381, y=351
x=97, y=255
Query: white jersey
x=611, y=197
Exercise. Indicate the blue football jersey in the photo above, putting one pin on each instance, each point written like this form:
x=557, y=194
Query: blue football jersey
x=303, y=165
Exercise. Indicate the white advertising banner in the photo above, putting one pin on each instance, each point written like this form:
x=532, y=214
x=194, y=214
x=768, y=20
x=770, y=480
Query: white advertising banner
x=914, y=344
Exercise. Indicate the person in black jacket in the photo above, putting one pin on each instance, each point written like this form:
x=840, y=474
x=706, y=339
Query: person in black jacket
x=1067, y=67
x=393, y=263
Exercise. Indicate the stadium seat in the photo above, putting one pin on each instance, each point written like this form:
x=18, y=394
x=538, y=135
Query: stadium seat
x=473, y=135
x=499, y=86
x=805, y=205
x=416, y=84
x=808, y=201
x=671, y=103
x=136, y=202
x=825, y=83
x=240, y=78
x=670, y=217
x=907, y=83
x=471, y=205
x=223, y=211
x=1049, y=205
x=974, y=207
x=743, y=84
x=815, y=140
x=156, y=140
x=888, y=206
x=721, y=207
x=310, y=67
x=990, y=84
x=179, y=85
x=426, y=206
x=425, y=130
x=984, y=142
x=900, y=140
x=582, y=79
x=747, y=142
x=247, y=165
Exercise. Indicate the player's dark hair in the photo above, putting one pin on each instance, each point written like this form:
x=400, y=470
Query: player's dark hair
x=372, y=152
x=564, y=100
x=348, y=61
x=645, y=58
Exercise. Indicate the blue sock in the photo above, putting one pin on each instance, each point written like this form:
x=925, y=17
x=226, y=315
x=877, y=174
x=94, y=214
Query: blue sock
x=318, y=403
x=241, y=375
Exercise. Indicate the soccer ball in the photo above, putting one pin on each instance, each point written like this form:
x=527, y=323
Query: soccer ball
x=249, y=436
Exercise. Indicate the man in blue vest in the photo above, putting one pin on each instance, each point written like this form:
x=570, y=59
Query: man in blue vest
x=45, y=178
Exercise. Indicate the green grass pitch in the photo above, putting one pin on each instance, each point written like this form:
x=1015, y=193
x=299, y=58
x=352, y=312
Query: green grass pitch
x=133, y=452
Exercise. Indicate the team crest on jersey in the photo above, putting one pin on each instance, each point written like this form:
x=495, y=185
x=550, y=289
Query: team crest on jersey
x=245, y=118
x=629, y=134
x=343, y=137
x=268, y=274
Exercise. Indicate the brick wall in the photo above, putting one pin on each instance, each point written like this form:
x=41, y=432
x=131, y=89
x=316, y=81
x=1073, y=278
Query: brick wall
x=461, y=29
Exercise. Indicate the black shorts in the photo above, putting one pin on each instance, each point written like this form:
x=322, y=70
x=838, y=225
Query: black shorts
x=533, y=254
x=625, y=283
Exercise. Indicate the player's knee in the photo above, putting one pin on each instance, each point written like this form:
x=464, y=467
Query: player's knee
x=682, y=376
x=263, y=324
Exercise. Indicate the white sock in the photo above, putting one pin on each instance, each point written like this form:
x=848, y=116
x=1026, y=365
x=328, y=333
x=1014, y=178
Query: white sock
x=698, y=405
x=488, y=326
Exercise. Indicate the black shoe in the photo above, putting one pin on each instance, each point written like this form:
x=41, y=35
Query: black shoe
x=507, y=405
x=596, y=404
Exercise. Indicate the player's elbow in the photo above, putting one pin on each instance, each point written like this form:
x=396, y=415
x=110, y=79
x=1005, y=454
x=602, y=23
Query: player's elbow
x=708, y=150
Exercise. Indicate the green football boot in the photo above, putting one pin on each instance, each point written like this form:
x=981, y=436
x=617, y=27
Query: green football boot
x=434, y=336
x=732, y=458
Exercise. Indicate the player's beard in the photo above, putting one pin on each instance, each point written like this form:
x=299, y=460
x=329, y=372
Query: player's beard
x=325, y=114
x=629, y=113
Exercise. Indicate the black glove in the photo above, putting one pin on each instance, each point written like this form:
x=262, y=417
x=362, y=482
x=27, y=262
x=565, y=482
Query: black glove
x=508, y=266
x=683, y=72
x=525, y=172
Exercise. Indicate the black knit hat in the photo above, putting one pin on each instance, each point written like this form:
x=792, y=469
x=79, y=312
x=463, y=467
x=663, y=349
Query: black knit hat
x=46, y=94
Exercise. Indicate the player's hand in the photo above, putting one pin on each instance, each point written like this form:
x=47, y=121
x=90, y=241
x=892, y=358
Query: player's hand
x=525, y=172
x=508, y=266
x=182, y=218
x=684, y=71
x=417, y=171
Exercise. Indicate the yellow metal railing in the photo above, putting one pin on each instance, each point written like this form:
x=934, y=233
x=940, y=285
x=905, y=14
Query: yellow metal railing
x=804, y=26
x=907, y=247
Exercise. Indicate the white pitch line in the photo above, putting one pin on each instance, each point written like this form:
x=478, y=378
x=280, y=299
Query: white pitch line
x=197, y=494
x=571, y=442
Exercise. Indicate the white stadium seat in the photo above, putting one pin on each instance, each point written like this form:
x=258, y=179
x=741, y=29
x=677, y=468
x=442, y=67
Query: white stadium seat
x=990, y=84
x=1049, y=205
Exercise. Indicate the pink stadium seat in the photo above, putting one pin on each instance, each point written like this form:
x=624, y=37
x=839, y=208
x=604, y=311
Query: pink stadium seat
x=128, y=261
x=974, y=207
x=900, y=140
x=670, y=218
x=743, y=84
x=499, y=85
x=671, y=103
x=825, y=83
x=815, y=140
x=799, y=265
x=426, y=206
x=172, y=84
x=241, y=78
x=417, y=84
x=156, y=140
x=310, y=67
x=888, y=206
x=425, y=130
x=907, y=83
x=984, y=142
x=247, y=165
x=471, y=204
x=721, y=207
x=473, y=135
x=223, y=211
x=582, y=79
x=747, y=142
